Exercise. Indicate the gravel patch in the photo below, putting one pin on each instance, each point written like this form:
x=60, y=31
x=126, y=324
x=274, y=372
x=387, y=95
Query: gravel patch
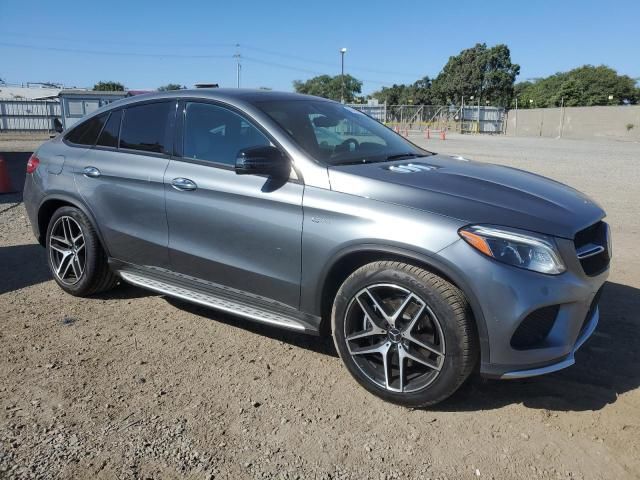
x=133, y=385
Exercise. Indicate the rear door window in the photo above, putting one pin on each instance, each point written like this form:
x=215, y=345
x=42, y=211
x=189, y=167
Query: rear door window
x=146, y=127
x=109, y=135
x=87, y=132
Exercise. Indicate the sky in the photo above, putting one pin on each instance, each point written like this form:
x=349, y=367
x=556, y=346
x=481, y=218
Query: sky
x=144, y=44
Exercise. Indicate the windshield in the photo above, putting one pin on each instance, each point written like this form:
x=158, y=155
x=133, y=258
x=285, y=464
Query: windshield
x=338, y=135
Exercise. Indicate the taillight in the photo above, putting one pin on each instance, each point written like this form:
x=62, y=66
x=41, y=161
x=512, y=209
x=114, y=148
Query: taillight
x=32, y=164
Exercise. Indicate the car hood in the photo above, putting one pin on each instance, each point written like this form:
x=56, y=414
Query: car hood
x=475, y=192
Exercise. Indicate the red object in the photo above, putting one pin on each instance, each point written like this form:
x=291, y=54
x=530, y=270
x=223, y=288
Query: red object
x=442, y=135
x=32, y=164
x=5, y=181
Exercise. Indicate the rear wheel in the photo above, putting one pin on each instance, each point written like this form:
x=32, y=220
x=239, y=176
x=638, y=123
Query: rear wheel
x=76, y=258
x=405, y=334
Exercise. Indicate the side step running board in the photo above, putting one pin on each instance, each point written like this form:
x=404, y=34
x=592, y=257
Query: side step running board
x=207, y=299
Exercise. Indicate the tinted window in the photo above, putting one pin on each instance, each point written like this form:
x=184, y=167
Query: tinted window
x=216, y=134
x=335, y=134
x=87, y=132
x=146, y=127
x=109, y=135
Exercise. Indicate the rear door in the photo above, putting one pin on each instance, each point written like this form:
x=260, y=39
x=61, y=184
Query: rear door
x=239, y=231
x=121, y=180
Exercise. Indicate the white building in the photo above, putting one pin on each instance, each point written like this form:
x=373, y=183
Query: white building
x=32, y=91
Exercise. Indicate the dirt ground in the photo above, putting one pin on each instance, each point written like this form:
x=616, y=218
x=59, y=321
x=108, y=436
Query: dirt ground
x=131, y=384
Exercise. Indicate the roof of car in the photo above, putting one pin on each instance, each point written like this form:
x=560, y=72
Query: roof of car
x=246, y=94
x=226, y=95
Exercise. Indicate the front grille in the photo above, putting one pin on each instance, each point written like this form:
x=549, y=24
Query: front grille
x=592, y=248
x=533, y=330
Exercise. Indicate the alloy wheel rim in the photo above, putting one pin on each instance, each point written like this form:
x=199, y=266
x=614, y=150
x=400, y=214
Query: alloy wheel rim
x=394, y=338
x=67, y=250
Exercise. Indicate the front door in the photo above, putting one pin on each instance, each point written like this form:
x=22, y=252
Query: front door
x=238, y=231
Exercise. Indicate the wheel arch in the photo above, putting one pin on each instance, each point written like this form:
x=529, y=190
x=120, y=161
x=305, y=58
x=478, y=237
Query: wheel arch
x=349, y=259
x=51, y=203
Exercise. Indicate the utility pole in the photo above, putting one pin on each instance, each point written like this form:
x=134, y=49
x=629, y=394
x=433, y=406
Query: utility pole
x=238, y=65
x=342, y=52
x=462, y=115
x=561, y=118
x=516, y=133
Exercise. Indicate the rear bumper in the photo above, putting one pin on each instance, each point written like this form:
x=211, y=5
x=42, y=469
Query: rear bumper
x=31, y=197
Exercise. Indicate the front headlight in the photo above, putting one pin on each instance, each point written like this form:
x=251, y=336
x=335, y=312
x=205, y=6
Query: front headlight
x=520, y=249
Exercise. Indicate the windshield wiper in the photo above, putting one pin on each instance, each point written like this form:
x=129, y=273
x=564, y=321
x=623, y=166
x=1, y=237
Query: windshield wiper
x=359, y=161
x=399, y=156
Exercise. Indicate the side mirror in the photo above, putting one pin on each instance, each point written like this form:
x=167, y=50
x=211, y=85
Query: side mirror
x=57, y=125
x=262, y=161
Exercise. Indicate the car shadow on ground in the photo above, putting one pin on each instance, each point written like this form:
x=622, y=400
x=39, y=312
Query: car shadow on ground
x=9, y=201
x=606, y=366
x=322, y=344
x=124, y=291
x=22, y=266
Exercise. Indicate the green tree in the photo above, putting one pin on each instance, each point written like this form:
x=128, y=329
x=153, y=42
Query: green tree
x=583, y=86
x=109, y=87
x=330, y=87
x=418, y=93
x=486, y=73
x=393, y=95
x=171, y=86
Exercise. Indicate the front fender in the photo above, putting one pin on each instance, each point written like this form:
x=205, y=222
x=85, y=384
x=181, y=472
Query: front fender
x=434, y=263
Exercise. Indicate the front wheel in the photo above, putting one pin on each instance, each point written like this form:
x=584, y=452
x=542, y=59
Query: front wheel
x=404, y=333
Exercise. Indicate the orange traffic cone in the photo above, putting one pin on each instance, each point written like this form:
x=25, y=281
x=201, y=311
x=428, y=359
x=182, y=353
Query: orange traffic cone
x=5, y=181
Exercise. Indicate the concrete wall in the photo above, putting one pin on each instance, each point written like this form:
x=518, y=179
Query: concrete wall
x=578, y=122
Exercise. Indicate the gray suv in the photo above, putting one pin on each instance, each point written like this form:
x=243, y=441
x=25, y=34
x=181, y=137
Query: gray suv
x=305, y=214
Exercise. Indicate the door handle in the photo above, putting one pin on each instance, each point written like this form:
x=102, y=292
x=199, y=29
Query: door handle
x=91, y=172
x=183, y=184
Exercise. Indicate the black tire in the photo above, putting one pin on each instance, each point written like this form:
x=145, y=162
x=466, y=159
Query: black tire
x=441, y=299
x=96, y=276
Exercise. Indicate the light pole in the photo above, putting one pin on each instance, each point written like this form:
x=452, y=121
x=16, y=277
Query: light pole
x=238, y=66
x=342, y=52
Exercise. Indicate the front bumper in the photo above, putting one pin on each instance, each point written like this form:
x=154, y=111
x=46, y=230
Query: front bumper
x=505, y=296
x=565, y=362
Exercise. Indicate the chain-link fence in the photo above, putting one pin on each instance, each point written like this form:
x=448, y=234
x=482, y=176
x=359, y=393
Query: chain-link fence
x=437, y=118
